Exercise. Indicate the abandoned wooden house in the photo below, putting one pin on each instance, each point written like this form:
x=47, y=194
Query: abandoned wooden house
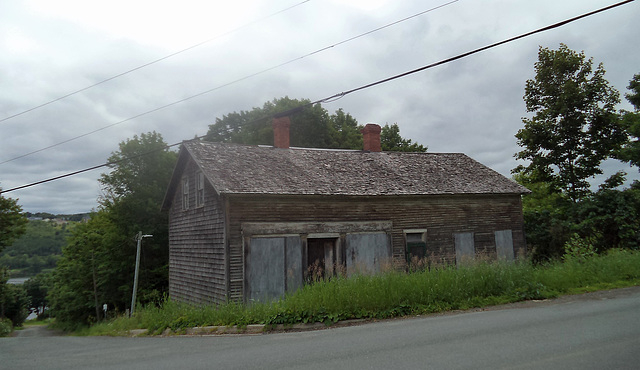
x=249, y=222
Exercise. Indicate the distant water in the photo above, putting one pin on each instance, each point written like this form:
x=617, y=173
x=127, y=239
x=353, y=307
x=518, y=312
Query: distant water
x=18, y=281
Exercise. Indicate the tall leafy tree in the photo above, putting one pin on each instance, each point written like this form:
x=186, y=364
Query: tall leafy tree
x=311, y=127
x=631, y=123
x=574, y=125
x=12, y=222
x=345, y=131
x=391, y=141
x=93, y=271
x=98, y=263
x=133, y=195
x=13, y=299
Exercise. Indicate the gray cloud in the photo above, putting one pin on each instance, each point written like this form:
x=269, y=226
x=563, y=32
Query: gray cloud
x=473, y=105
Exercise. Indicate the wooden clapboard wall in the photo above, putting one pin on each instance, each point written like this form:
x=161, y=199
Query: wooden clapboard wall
x=441, y=216
x=197, y=254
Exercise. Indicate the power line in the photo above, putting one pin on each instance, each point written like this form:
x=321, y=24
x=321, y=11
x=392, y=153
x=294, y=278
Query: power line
x=228, y=83
x=152, y=62
x=340, y=95
x=89, y=169
x=459, y=56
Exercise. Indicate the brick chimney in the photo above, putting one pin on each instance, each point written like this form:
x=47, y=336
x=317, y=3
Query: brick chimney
x=281, y=132
x=371, y=137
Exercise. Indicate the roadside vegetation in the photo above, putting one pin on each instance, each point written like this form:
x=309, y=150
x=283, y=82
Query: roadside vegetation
x=396, y=294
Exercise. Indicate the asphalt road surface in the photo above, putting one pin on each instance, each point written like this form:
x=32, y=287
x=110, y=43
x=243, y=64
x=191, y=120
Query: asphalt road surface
x=594, y=331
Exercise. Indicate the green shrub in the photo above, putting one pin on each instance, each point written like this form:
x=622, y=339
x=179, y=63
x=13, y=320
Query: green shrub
x=5, y=327
x=15, y=302
x=579, y=249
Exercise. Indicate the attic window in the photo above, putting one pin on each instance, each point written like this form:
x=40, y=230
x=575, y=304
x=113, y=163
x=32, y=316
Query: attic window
x=185, y=193
x=416, y=244
x=199, y=189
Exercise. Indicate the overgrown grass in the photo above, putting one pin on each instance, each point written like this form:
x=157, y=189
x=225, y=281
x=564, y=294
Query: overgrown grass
x=397, y=293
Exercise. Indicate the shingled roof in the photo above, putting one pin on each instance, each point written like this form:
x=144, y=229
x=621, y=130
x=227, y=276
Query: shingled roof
x=244, y=169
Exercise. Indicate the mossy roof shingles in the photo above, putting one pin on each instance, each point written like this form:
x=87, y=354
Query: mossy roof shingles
x=244, y=169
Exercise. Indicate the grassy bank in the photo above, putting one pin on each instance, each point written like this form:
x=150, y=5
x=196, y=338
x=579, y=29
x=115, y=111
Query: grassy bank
x=395, y=294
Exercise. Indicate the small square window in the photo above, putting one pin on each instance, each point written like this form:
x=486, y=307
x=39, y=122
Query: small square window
x=416, y=244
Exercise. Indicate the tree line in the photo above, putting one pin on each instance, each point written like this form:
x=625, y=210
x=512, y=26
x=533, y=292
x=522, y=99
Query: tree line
x=37, y=249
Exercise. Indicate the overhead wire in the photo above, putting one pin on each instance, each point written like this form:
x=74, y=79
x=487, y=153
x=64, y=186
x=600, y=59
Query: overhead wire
x=284, y=113
x=228, y=83
x=152, y=62
x=111, y=163
x=460, y=56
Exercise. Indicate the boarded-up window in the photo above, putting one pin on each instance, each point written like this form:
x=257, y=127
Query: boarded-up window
x=199, y=189
x=185, y=193
x=465, y=247
x=504, y=245
x=293, y=263
x=367, y=253
x=273, y=266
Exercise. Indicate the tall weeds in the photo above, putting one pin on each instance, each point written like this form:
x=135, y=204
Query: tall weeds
x=396, y=293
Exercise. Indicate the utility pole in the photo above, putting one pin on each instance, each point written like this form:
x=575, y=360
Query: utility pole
x=139, y=237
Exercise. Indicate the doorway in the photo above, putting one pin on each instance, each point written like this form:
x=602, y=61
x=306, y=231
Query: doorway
x=321, y=258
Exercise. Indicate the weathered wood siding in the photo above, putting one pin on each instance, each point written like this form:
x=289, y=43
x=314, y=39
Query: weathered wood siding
x=197, y=260
x=441, y=216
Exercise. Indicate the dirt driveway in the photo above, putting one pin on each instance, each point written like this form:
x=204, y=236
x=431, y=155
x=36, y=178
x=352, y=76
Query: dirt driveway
x=36, y=331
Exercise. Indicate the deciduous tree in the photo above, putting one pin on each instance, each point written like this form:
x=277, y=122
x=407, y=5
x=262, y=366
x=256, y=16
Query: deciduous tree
x=631, y=123
x=133, y=195
x=574, y=125
x=12, y=222
x=311, y=126
x=391, y=141
x=98, y=263
x=92, y=271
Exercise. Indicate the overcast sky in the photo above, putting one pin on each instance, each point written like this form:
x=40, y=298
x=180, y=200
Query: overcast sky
x=474, y=105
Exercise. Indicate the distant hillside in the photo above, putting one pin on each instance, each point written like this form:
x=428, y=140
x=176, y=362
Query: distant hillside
x=41, y=246
x=49, y=216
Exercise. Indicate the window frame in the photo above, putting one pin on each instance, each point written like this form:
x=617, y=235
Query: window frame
x=199, y=189
x=185, y=193
x=422, y=242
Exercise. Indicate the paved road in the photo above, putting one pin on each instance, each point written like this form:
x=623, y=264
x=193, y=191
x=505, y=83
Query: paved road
x=597, y=331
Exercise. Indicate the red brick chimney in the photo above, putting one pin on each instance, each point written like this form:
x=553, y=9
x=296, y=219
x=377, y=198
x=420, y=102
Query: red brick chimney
x=281, y=132
x=371, y=137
